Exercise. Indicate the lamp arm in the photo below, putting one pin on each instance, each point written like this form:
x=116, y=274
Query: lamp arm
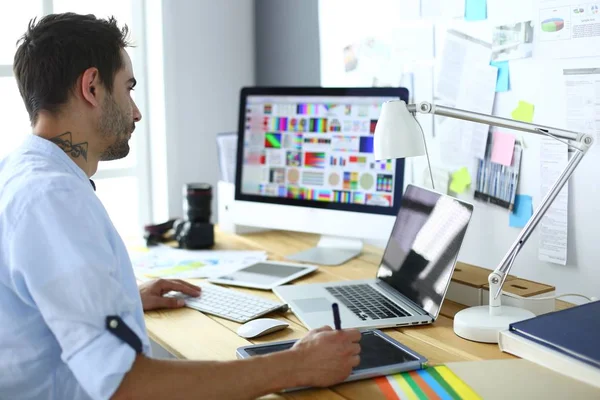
x=581, y=142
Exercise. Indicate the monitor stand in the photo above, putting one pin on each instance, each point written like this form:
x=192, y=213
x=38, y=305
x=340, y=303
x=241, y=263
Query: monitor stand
x=330, y=250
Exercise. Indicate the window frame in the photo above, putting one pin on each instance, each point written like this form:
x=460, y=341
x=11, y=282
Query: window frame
x=141, y=170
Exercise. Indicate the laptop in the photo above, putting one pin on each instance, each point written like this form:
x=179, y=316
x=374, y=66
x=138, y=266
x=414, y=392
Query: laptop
x=412, y=278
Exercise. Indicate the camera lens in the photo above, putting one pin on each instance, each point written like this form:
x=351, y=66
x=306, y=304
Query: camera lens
x=197, y=199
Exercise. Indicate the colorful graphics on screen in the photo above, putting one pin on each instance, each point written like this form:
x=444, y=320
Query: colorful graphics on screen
x=382, y=200
x=350, y=180
x=372, y=126
x=315, y=152
x=384, y=183
x=293, y=176
x=314, y=160
x=337, y=161
x=293, y=159
x=359, y=198
x=366, y=144
x=272, y=140
x=317, y=194
x=342, y=196
x=357, y=160
x=277, y=175
x=335, y=125
x=313, y=178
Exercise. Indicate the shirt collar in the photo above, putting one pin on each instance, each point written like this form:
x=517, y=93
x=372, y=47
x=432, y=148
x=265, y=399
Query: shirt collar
x=51, y=150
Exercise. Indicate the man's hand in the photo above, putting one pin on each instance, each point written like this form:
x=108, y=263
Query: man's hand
x=152, y=293
x=327, y=356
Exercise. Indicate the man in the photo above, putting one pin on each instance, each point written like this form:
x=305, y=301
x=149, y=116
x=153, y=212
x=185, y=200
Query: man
x=64, y=268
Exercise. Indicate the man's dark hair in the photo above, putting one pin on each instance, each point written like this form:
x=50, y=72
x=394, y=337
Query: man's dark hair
x=57, y=49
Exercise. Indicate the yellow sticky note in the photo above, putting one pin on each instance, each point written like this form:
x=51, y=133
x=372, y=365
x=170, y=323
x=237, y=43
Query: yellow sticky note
x=523, y=112
x=461, y=180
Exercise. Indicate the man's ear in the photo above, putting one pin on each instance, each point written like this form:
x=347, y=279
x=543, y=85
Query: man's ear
x=90, y=85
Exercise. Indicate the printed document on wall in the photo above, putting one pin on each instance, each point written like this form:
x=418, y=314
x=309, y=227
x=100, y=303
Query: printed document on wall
x=554, y=225
x=583, y=100
x=567, y=29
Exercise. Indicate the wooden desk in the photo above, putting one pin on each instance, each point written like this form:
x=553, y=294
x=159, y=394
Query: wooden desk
x=189, y=334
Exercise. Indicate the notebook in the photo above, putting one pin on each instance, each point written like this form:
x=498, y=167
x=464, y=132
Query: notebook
x=565, y=341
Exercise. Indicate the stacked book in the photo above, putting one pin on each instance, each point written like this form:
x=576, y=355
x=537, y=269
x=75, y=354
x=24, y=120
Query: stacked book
x=566, y=341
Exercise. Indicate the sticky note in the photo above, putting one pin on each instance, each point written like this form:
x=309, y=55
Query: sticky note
x=461, y=180
x=503, y=81
x=475, y=10
x=522, y=211
x=503, y=146
x=523, y=112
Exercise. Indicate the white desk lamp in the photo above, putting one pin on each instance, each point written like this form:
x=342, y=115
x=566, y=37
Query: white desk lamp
x=398, y=135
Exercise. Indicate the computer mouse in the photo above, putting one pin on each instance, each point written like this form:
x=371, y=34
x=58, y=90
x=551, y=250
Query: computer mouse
x=261, y=326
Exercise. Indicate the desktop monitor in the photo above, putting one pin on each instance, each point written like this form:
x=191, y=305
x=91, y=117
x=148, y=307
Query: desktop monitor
x=305, y=163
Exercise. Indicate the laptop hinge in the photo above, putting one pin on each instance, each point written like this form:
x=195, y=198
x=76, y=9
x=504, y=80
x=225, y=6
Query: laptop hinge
x=414, y=307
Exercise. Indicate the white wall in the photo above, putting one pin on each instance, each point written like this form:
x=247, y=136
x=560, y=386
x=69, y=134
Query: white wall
x=208, y=56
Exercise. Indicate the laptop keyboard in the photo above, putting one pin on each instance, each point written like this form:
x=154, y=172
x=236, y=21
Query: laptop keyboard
x=366, y=302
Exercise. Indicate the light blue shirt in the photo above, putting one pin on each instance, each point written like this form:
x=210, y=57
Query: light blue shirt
x=63, y=269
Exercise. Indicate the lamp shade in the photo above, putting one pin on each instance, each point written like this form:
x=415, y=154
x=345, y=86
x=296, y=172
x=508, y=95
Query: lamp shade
x=397, y=134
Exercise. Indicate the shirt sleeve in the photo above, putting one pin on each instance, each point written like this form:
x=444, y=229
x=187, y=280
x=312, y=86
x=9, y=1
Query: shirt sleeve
x=62, y=263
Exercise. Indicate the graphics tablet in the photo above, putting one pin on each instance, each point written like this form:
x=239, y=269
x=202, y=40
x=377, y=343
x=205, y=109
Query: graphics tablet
x=265, y=274
x=379, y=355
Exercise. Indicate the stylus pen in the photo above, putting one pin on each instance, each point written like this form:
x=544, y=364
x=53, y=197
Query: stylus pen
x=336, y=316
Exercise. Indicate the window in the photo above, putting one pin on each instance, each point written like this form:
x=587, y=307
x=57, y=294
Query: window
x=122, y=185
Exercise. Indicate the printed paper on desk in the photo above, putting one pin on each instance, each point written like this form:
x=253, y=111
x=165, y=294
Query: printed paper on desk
x=168, y=262
x=566, y=29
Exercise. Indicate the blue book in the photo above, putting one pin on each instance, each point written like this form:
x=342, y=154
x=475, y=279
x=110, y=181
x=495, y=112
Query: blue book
x=573, y=332
x=567, y=341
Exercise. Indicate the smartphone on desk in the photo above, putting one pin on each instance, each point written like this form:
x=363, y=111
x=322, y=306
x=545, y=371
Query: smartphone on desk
x=379, y=355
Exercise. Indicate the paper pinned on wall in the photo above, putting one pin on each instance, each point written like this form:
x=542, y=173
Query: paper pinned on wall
x=566, y=29
x=463, y=58
x=523, y=112
x=441, y=179
x=475, y=10
x=583, y=96
x=503, y=147
x=477, y=94
x=503, y=79
x=461, y=180
x=554, y=225
x=522, y=211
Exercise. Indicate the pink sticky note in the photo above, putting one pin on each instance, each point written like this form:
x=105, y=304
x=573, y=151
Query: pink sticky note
x=503, y=146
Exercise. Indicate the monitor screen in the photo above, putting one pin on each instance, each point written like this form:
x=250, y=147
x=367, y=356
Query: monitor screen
x=313, y=147
x=423, y=247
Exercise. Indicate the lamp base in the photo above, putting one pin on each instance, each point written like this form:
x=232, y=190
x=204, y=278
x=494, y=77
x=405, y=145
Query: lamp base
x=476, y=323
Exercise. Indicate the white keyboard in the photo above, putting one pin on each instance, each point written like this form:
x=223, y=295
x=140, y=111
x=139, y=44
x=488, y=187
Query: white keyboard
x=229, y=304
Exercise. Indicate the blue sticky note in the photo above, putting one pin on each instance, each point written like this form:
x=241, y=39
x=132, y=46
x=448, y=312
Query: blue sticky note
x=475, y=10
x=522, y=211
x=503, y=82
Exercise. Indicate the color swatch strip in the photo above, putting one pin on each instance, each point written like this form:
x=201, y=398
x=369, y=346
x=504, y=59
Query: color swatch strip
x=437, y=382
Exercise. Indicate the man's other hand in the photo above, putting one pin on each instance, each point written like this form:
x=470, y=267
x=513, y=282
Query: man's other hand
x=327, y=356
x=152, y=293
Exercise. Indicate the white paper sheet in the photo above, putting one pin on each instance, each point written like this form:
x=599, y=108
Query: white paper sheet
x=227, y=147
x=583, y=100
x=463, y=57
x=168, y=262
x=477, y=94
x=567, y=29
x=554, y=225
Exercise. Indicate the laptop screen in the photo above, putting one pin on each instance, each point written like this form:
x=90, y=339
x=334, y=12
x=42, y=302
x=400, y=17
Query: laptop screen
x=422, y=250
